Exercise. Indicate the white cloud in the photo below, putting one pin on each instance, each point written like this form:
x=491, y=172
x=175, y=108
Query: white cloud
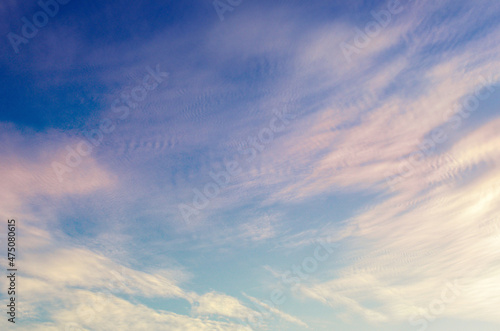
x=440, y=233
x=223, y=305
x=276, y=312
x=122, y=315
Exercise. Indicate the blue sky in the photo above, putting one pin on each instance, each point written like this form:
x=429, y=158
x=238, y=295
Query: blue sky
x=272, y=166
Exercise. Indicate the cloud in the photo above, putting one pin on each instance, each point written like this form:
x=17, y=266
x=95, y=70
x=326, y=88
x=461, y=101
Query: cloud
x=222, y=305
x=88, y=291
x=30, y=174
x=439, y=230
x=121, y=314
x=276, y=312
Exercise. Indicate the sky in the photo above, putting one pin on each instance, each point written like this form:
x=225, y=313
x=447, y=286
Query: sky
x=251, y=165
